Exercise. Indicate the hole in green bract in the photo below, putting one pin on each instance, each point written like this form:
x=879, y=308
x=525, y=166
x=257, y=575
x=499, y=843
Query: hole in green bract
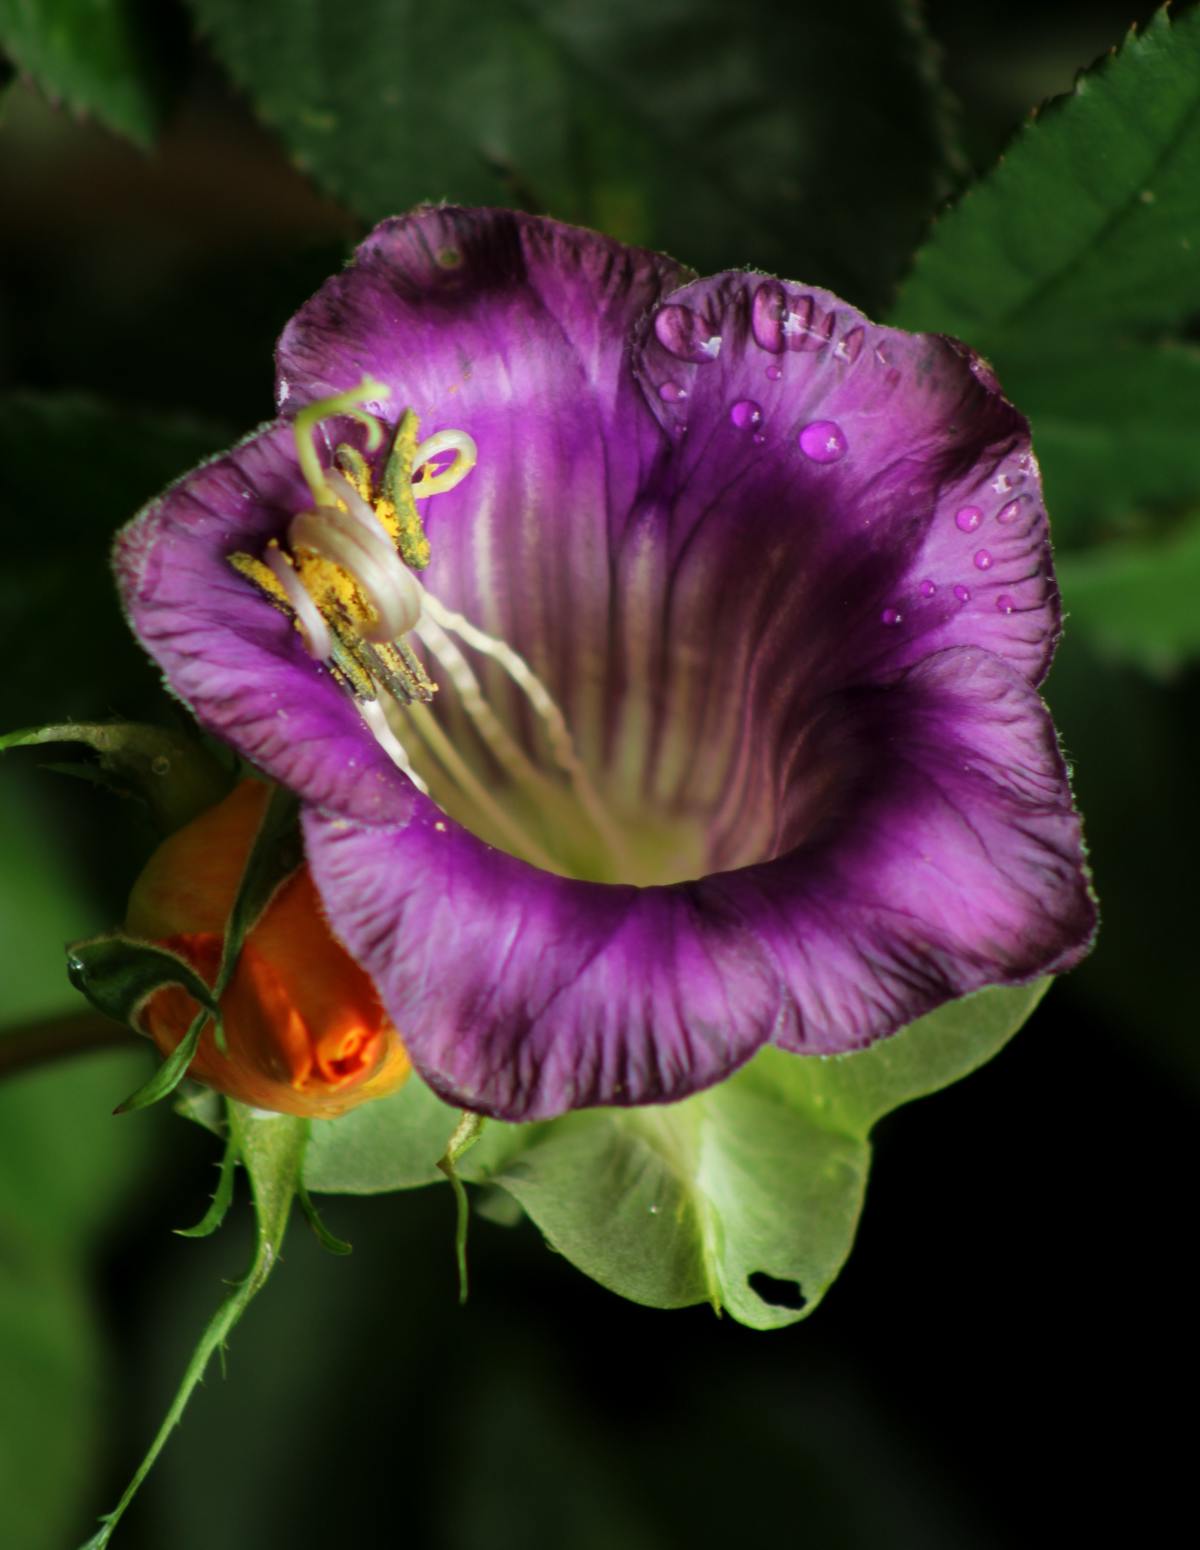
x=777, y=1293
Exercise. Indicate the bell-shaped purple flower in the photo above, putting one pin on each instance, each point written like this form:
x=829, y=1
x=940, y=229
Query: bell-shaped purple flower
x=737, y=624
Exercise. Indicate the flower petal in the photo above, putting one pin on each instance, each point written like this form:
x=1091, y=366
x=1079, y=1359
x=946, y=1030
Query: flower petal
x=515, y=329
x=951, y=862
x=889, y=464
x=234, y=658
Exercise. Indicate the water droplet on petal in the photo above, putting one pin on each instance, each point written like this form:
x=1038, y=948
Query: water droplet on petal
x=684, y=334
x=823, y=441
x=963, y=594
x=928, y=588
x=850, y=347
x=758, y=439
x=672, y=393
x=968, y=518
x=767, y=312
x=891, y=616
x=1002, y=484
x=746, y=414
x=774, y=372
x=983, y=559
x=1011, y=512
x=1005, y=604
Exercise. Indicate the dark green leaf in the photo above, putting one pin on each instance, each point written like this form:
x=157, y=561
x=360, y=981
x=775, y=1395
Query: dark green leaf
x=1090, y=226
x=799, y=138
x=94, y=55
x=174, y=773
x=1138, y=601
x=1115, y=431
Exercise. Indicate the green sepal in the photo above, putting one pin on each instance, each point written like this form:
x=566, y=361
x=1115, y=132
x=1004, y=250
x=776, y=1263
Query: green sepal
x=276, y=853
x=328, y=1241
x=119, y=973
x=172, y=1071
x=222, y=1196
x=466, y=1133
x=173, y=773
x=272, y=1152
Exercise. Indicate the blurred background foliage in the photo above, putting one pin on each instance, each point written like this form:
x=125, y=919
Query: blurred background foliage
x=174, y=180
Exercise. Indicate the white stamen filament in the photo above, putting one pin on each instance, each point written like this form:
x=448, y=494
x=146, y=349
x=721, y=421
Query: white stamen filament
x=313, y=629
x=469, y=784
x=466, y=455
x=345, y=530
x=562, y=744
x=385, y=581
x=376, y=719
x=491, y=729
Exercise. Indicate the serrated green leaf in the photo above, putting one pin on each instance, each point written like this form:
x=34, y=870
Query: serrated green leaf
x=757, y=134
x=94, y=55
x=1115, y=431
x=1138, y=601
x=1090, y=225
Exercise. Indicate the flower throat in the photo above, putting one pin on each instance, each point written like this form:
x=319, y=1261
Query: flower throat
x=346, y=580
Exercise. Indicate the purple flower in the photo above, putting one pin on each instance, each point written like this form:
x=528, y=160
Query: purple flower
x=737, y=623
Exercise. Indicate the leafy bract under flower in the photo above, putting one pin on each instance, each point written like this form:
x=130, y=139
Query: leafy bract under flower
x=782, y=578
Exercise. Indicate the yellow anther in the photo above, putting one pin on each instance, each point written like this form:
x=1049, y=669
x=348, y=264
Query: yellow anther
x=262, y=576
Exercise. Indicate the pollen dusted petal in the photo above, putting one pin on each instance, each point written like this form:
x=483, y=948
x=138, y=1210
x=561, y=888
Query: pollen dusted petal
x=231, y=654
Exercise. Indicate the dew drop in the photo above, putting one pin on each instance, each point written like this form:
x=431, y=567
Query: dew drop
x=850, y=347
x=983, y=559
x=774, y=372
x=684, y=334
x=746, y=414
x=963, y=594
x=758, y=439
x=1005, y=604
x=968, y=518
x=891, y=616
x=672, y=393
x=1002, y=484
x=928, y=588
x=823, y=441
x=1009, y=513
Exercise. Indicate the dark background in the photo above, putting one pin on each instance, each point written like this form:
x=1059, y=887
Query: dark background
x=992, y=1369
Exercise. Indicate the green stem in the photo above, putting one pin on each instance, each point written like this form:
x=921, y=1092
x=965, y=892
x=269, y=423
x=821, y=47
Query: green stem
x=56, y=1038
x=213, y=1338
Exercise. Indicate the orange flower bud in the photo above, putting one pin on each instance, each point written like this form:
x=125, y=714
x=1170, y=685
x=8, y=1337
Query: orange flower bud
x=306, y=1031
